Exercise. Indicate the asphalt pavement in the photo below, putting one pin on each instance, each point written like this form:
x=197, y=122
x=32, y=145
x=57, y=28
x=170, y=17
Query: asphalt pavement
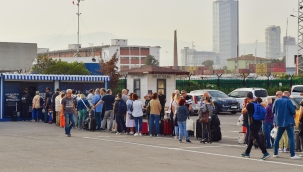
x=36, y=146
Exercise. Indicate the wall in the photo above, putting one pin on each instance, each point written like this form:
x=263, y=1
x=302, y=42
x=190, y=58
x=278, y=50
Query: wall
x=16, y=56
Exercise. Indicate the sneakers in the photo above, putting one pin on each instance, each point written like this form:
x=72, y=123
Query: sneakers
x=275, y=156
x=176, y=137
x=285, y=150
x=33, y=120
x=180, y=141
x=131, y=132
x=118, y=133
x=280, y=150
x=246, y=155
x=150, y=135
x=136, y=134
x=188, y=141
x=265, y=156
x=67, y=135
x=140, y=134
x=295, y=157
x=158, y=135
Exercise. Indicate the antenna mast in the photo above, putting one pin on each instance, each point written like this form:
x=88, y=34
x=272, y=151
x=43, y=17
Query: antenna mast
x=78, y=33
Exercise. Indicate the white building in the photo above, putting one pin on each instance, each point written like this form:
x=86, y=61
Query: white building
x=192, y=57
x=130, y=56
x=273, y=42
x=225, y=29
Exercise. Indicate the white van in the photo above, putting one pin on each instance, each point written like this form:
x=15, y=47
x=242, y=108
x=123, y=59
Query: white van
x=296, y=90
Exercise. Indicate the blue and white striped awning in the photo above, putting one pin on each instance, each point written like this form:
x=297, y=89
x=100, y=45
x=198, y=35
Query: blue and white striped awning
x=40, y=77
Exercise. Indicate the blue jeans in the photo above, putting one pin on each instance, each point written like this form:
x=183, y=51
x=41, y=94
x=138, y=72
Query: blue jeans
x=268, y=126
x=176, y=130
x=138, y=121
x=290, y=132
x=247, y=132
x=99, y=120
x=182, y=127
x=35, y=114
x=120, y=123
x=154, y=119
x=69, y=122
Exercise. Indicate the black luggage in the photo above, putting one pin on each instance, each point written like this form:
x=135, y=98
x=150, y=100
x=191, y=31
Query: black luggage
x=198, y=129
x=262, y=136
x=215, y=121
x=92, y=124
x=298, y=142
x=85, y=124
x=216, y=134
x=191, y=133
x=14, y=116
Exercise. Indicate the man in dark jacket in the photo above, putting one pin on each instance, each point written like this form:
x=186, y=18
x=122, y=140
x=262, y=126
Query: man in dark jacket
x=25, y=101
x=54, y=104
x=255, y=126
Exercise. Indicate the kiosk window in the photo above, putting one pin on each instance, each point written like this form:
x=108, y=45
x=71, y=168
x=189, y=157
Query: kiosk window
x=137, y=88
x=161, y=85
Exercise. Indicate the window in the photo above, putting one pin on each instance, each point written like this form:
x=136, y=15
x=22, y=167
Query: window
x=161, y=85
x=137, y=87
x=233, y=94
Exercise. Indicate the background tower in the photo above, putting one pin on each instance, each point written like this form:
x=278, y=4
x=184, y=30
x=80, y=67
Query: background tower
x=175, y=51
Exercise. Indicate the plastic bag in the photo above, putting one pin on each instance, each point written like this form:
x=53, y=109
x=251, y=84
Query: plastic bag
x=189, y=125
x=239, y=123
x=241, y=138
x=273, y=133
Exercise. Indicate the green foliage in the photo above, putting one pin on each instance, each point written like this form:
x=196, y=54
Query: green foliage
x=47, y=65
x=151, y=61
x=110, y=69
x=208, y=63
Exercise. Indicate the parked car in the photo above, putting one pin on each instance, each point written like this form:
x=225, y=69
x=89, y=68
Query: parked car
x=241, y=93
x=296, y=102
x=296, y=90
x=222, y=102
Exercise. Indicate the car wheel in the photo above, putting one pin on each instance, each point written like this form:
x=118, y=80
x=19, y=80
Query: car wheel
x=233, y=112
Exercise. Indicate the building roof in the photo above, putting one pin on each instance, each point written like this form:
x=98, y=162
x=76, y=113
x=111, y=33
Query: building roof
x=41, y=77
x=154, y=70
x=249, y=57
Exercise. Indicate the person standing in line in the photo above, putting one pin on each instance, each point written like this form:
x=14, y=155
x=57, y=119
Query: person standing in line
x=108, y=102
x=68, y=108
x=137, y=113
x=255, y=126
x=62, y=118
x=155, y=110
x=58, y=107
x=90, y=96
x=102, y=93
x=35, y=107
x=54, y=105
x=301, y=124
x=119, y=111
x=268, y=123
x=284, y=113
x=188, y=101
x=147, y=110
x=98, y=108
x=175, y=106
x=75, y=98
x=183, y=114
x=171, y=114
x=47, y=103
x=206, y=105
x=124, y=95
x=245, y=117
x=25, y=101
x=82, y=107
x=162, y=99
x=130, y=123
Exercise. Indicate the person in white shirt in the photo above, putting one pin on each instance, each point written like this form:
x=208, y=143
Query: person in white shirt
x=137, y=113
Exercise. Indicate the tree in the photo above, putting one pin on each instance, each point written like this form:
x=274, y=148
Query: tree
x=47, y=65
x=208, y=63
x=151, y=61
x=111, y=69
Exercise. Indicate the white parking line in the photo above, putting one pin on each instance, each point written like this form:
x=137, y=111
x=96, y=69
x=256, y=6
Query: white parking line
x=202, y=147
x=192, y=151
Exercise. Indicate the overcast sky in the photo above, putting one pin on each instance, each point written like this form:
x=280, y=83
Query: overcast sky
x=154, y=19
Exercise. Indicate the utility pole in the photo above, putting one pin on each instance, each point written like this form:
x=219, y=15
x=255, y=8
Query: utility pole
x=78, y=14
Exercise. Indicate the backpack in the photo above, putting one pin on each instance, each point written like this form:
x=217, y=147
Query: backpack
x=259, y=113
x=122, y=107
x=24, y=99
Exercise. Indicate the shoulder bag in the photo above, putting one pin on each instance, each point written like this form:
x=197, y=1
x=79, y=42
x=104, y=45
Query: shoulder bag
x=205, y=115
x=87, y=109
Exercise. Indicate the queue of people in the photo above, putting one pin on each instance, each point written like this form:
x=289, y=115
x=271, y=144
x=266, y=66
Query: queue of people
x=279, y=114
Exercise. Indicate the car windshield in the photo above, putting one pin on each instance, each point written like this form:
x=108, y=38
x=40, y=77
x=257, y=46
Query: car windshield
x=261, y=93
x=298, y=89
x=217, y=94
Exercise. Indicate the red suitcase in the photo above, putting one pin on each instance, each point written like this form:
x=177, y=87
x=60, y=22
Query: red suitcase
x=144, y=128
x=167, y=127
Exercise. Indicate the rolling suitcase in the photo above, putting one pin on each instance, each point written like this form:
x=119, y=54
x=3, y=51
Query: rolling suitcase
x=85, y=124
x=198, y=130
x=144, y=128
x=298, y=142
x=92, y=124
x=216, y=134
x=15, y=113
x=167, y=129
x=215, y=121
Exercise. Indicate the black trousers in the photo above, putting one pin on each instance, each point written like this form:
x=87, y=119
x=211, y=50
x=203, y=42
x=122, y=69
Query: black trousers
x=206, y=126
x=253, y=134
x=162, y=112
x=54, y=116
x=25, y=113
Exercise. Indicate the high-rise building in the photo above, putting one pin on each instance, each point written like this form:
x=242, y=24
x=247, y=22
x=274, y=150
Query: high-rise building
x=288, y=40
x=192, y=57
x=225, y=29
x=273, y=41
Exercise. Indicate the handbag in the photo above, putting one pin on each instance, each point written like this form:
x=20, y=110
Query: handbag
x=205, y=116
x=87, y=109
x=189, y=124
x=131, y=116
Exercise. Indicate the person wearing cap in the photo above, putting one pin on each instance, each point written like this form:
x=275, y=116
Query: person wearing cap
x=54, y=104
x=36, y=107
x=255, y=126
